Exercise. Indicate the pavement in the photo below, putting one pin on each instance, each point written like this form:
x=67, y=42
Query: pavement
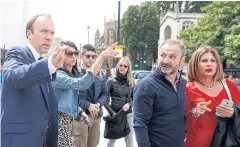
x=118, y=143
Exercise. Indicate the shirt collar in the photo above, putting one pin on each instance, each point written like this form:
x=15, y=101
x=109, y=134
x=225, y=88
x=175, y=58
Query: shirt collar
x=34, y=52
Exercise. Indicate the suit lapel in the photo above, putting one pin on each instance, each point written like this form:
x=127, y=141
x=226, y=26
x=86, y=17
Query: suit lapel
x=42, y=87
x=45, y=93
x=30, y=55
x=90, y=93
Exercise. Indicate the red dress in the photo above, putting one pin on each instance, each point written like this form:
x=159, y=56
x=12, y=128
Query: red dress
x=200, y=130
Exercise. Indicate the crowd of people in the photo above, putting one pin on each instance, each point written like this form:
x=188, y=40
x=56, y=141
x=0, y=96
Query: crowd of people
x=58, y=101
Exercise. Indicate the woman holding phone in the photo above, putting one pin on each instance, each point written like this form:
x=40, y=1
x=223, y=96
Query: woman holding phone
x=205, y=93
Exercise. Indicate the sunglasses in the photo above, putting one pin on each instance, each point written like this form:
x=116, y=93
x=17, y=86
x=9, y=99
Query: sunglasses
x=90, y=56
x=125, y=66
x=70, y=53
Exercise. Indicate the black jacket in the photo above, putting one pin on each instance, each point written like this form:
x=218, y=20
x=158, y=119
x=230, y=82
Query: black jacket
x=96, y=93
x=227, y=133
x=119, y=94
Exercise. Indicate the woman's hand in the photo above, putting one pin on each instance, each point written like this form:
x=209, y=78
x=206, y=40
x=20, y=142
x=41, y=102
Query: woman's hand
x=225, y=111
x=201, y=108
x=126, y=107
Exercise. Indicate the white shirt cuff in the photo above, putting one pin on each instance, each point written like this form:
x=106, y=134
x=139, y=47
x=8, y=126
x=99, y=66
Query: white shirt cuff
x=51, y=67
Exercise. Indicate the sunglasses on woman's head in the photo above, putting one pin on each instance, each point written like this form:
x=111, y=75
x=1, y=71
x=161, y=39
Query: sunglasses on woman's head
x=70, y=53
x=125, y=66
x=90, y=56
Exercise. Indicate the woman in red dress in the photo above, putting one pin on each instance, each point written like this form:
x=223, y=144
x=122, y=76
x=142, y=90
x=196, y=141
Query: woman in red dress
x=205, y=93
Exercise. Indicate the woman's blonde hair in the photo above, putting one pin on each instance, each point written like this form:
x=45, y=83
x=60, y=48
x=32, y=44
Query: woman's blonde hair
x=193, y=73
x=129, y=72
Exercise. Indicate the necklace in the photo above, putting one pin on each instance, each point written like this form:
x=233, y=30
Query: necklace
x=209, y=87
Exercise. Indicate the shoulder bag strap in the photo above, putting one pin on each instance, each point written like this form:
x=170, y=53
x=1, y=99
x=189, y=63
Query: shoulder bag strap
x=227, y=89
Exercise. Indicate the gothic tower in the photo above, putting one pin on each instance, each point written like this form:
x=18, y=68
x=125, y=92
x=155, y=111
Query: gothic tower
x=97, y=39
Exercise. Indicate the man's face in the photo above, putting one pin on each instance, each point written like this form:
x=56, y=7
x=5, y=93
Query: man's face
x=170, y=59
x=88, y=58
x=41, y=35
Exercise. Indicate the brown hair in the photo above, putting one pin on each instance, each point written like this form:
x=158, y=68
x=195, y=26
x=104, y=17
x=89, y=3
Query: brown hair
x=88, y=47
x=69, y=43
x=193, y=73
x=32, y=20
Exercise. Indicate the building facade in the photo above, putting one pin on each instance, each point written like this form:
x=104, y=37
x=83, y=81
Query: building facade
x=102, y=42
x=173, y=22
x=13, y=20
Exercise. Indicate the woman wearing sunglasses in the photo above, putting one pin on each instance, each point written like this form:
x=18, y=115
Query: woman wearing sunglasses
x=120, y=89
x=66, y=86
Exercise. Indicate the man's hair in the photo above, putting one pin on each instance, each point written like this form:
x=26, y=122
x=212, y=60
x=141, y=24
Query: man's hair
x=69, y=43
x=194, y=74
x=172, y=42
x=32, y=21
x=88, y=47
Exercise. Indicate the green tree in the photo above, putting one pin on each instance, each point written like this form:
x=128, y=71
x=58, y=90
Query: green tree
x=219, y=28
x=140, y=24
x=183, y=6
x=195, y=6
x=140, y=29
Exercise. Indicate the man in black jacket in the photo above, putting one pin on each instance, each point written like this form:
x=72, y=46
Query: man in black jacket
x=159, y=101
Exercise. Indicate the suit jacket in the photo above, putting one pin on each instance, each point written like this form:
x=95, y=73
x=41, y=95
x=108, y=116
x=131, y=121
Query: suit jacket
x=96, y=93
x=28, y=109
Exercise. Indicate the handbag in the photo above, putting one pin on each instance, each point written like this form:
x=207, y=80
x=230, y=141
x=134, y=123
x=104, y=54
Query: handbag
x=226, y=133
x=117, y=127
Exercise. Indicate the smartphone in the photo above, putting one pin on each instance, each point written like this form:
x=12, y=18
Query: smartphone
x=227, y=103
x=119, y=49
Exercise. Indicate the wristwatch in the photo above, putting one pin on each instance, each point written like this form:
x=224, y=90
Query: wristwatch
x=98, y=104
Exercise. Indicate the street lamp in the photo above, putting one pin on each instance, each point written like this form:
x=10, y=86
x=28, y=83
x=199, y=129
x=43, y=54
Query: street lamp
x=80, y=48
x=118, y=31
x=145, y=56
x=118, y=25
x=88, y=27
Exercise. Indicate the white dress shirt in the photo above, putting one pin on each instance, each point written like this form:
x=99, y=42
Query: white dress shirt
x=36, y=55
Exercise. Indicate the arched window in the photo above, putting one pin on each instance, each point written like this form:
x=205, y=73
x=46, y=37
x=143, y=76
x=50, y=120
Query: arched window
x=186, y=24
x=167, y=32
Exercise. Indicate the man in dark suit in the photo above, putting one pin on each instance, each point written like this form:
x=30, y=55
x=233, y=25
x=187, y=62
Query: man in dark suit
x=28, y=105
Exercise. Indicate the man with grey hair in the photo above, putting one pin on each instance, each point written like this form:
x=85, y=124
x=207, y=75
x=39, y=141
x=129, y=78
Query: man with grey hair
x=159, y=101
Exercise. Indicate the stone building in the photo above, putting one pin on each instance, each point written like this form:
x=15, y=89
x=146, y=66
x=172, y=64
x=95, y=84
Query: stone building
x=174, y=22
x=109, y=36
